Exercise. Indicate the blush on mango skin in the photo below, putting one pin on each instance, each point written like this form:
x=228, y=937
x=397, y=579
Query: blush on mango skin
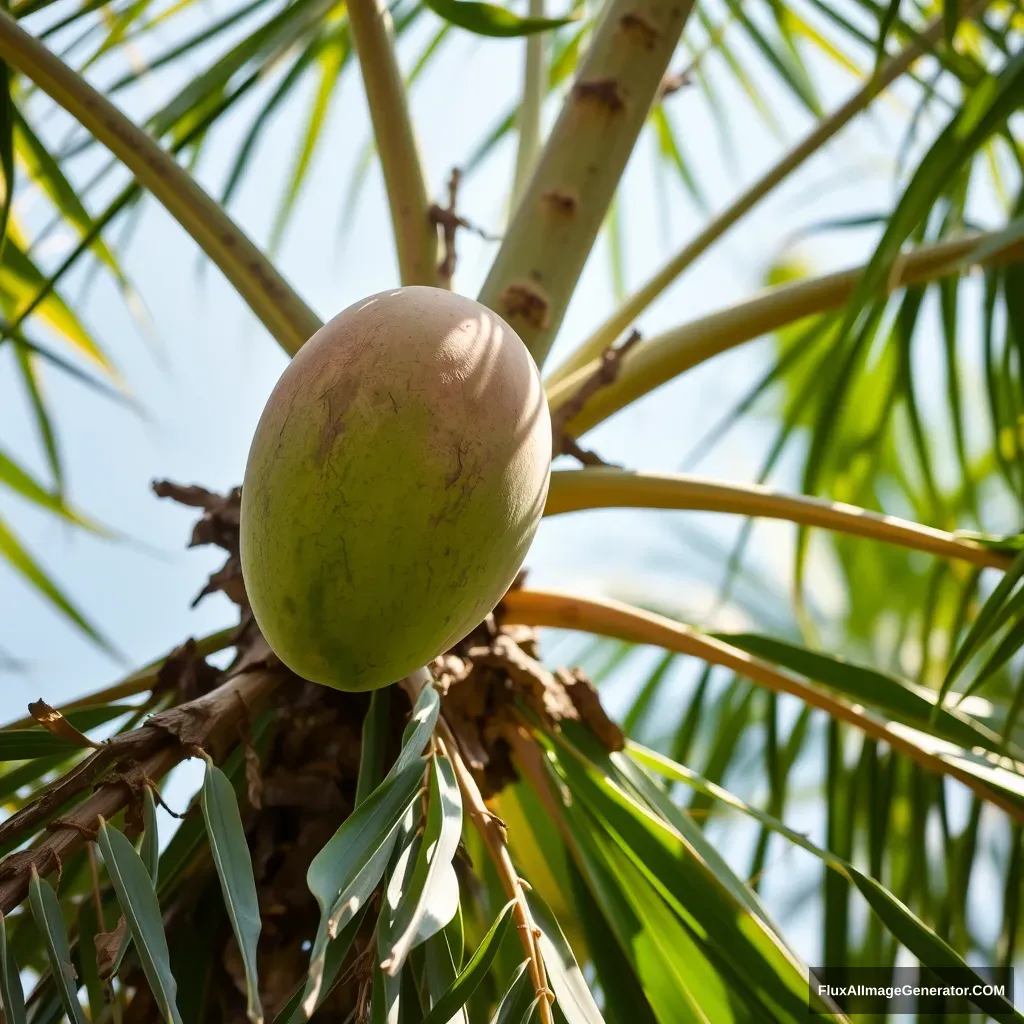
x=394, y=484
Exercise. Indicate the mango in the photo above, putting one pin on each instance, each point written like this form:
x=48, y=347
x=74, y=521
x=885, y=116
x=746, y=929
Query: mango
x=395, y=481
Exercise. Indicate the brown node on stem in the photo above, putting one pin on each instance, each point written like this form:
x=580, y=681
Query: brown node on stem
x=638, y=27
x=524, y=301
x=560, y=201
x=601, y=91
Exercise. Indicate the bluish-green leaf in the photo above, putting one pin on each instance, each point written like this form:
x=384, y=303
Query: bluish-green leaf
x=337, y=950
x=47, y=914
x=517, y=1002
x=150, y=853
x=343, y=875
x=150, y=849
x=463, y=987
x=434, y=897
x=374, y=738
x=11, y=996
x=231, y=856
x=88, y=926
x=141, y=908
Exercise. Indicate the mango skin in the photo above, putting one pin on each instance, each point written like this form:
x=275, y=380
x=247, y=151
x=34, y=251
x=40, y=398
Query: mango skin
x=394, y=484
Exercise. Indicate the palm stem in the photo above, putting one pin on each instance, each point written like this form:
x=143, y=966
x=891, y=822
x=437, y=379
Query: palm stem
x=534, y=89
x=214, y=720
x=633, y=625
x=562, y=208
x=574, y=490
x=253, y=276
x=625, y=315
x=653, y=362
x=415, y=235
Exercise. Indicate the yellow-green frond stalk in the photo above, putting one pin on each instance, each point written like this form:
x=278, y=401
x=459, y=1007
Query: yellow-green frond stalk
x=564, y=205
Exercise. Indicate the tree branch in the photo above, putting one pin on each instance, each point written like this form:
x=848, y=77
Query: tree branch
x=166, y=739
x=415, y=235
x=561, y=211
x=659, y=359
x=627, y=313
x=264, y=290
x=575, y=490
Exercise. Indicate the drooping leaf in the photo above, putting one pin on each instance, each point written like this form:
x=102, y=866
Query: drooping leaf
x=150, y=850
x=26, y=744
x=374, y=738
x=517, y=1003
x=46, y=172
x=985, y=622
x=234, y=868
x=141, y=908
x=462, y=988
x=986, y=108
x=337, y=950
x=49, y=921
x=904, y=925
x=434, y=892
x=343, y=875
x=12, y=998
x=12, y=552
x=904, y=701
x=88, y=928
x=694, y=891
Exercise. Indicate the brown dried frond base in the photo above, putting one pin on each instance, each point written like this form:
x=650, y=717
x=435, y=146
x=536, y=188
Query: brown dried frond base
x=484, y=677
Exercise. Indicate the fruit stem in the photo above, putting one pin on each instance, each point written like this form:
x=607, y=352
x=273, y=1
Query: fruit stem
x=492, y=831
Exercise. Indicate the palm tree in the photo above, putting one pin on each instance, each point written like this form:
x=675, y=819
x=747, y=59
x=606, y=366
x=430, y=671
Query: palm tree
x=482, y=841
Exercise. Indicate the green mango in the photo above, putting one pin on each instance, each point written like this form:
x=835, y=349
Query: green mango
x=394, y=485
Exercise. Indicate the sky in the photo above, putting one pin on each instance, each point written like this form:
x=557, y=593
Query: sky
x=204, y=378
